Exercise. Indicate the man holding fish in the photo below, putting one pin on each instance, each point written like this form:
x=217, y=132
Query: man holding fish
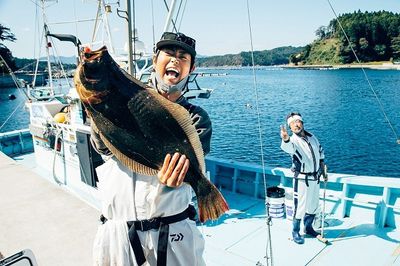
x=157, y=140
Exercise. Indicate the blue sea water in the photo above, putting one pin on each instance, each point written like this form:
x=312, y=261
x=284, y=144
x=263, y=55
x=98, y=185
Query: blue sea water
x=337, y=106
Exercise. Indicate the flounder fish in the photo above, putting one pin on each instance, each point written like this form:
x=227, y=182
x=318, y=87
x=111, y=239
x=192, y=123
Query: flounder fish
x=140, y=127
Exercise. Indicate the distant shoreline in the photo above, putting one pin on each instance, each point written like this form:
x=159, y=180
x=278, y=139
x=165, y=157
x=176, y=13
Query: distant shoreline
x=377, y=65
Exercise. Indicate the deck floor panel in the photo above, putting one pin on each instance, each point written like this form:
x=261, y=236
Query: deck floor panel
x=57, y=226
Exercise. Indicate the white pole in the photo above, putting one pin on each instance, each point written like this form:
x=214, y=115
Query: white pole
x=130, y=57
x=323, y=204
x=168, y=22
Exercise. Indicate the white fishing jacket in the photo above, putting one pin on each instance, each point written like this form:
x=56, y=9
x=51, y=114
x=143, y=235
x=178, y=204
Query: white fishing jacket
x=127, y=196
x=306, y=153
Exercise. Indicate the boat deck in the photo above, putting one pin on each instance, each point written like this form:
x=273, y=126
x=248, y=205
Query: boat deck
x=240, y=237
x=59, y=228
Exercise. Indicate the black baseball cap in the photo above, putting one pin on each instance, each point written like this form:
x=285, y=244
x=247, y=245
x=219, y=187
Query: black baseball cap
x=178, y=39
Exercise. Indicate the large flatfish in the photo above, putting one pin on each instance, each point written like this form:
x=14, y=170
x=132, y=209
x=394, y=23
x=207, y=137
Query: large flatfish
x=140, y=127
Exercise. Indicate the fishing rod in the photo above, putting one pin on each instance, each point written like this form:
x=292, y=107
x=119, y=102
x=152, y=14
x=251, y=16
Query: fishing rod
x=325, y=173
x=268, y=251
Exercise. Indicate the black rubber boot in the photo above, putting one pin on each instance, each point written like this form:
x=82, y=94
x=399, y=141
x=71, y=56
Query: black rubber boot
x=308, y=228
x=297, y=238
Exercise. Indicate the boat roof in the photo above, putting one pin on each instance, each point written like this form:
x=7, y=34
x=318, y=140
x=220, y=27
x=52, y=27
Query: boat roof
x=60, y=227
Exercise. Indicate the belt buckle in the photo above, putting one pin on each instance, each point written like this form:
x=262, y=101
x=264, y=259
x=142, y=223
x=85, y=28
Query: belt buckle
x=141, y=225
x=102, y=219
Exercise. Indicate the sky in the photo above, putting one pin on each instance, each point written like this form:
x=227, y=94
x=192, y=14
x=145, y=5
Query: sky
x=219, y=26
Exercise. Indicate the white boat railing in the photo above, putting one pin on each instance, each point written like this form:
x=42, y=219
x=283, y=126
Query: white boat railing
x=380, y=194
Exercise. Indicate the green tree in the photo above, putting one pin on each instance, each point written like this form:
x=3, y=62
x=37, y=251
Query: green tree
x=395, y=47
x=380, y=50
x=321, y=32
x=6, y=35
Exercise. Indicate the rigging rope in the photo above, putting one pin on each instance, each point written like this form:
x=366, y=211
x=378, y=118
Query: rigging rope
x=152, y=23
x=76, y=20
x=13, y=112
x=183, y=12
x=57, y=60
x=14, y=78
x=19, y=90
x=177, y=14
x=365, y=75
x=268, y=247
x=95, y=28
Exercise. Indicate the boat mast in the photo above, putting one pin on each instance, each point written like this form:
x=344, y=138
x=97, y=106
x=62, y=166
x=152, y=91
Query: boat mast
x=107, y=25
x=130, y=49
x=101, y=21
x=167, y=27
x=48, y=44
x=168, y=22
x=40, y=45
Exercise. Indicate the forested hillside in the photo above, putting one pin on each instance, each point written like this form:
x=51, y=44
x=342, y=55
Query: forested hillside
x=373, y=36
x=277, y=56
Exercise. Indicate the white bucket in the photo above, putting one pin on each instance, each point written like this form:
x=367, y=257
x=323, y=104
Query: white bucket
x=276, y=210
x=276, y=202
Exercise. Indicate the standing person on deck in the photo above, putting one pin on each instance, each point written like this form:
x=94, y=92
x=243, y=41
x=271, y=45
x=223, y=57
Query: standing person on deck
x=308, y=164
x=148, y=220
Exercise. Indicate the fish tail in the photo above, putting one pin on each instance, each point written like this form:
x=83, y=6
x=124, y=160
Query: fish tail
x=211, y=204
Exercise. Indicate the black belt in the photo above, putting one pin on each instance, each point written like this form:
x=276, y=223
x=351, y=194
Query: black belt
x=314, y=174
x=161, y=223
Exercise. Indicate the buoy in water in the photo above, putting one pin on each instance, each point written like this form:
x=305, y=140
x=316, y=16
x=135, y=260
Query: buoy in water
x=11, y=97
x=60, y=117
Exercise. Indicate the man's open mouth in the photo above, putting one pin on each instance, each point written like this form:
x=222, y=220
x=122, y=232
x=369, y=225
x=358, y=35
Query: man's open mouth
x=172, y=72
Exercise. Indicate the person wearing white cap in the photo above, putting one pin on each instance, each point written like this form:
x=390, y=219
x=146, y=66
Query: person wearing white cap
x=308, y=164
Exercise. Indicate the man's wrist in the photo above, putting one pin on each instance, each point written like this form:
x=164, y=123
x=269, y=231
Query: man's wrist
x=286, y=140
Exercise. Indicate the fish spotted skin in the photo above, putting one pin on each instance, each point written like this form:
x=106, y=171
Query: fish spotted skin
x=140, y=127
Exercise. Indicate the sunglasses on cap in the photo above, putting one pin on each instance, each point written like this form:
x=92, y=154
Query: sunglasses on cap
x=180, y=37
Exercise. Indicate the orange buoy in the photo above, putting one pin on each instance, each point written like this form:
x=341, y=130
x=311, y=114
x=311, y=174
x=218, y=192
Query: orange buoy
x=60, y=117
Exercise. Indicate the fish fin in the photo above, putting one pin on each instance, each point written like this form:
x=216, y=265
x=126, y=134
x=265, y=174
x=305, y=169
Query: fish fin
x=95, y=128
x=182, y=116
x=211, y=204
x=128, y=162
